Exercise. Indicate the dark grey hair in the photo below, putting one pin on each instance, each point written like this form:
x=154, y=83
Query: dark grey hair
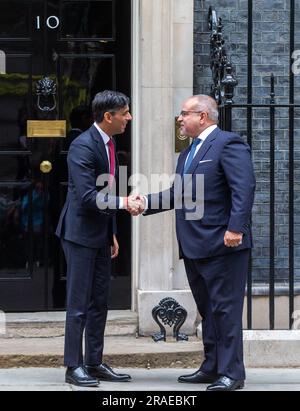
x=108, y=101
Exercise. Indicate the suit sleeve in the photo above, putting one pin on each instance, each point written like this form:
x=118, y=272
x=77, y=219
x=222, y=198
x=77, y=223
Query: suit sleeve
x=238, y=169
x=81, y=163
x=159, y=202
x=114, y=224
x=166, y=200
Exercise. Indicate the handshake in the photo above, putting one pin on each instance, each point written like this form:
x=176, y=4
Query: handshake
x=135, y=204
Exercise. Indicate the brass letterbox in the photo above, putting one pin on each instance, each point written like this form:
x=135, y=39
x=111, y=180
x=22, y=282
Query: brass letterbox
x=46, y=128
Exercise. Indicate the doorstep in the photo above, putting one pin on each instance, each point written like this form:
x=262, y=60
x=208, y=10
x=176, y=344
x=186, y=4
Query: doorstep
x=52, y=324
x=37, y=340
x=119, y=351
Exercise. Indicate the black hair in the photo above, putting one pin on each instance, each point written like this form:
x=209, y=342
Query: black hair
x=110, y=101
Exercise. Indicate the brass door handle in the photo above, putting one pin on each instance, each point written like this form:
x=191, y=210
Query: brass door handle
x=45, y=166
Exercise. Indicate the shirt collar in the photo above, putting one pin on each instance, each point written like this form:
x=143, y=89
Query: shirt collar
x=207, y=132
x=104, y=136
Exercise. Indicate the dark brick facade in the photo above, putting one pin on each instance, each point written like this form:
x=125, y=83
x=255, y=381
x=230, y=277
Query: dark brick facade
x=270, y=55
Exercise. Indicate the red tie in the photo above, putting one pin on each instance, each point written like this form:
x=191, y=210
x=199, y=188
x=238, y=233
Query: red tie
x=111, y=150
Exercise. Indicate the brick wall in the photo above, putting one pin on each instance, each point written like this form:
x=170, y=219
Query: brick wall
x=270, y=55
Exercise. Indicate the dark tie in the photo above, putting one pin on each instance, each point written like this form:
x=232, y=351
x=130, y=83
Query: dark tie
x=111, y=150
x=192, y=153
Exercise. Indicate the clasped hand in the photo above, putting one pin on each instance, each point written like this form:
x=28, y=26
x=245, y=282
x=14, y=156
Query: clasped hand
x=135, y=204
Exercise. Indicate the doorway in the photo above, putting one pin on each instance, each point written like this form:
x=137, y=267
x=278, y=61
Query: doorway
x=75, y=48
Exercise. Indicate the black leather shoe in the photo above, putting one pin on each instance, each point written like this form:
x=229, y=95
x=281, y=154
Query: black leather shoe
x=198, y=377
x=104, y=373
x=226, y=384
x=79, y=376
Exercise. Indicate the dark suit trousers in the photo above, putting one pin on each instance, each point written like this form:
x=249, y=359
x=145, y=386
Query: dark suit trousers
x=88, y=279
x=218, y=286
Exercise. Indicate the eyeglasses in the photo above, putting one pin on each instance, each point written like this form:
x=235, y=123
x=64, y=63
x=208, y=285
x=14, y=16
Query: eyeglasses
x=186, y=113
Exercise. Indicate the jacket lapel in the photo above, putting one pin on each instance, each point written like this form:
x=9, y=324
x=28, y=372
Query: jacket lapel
x=100, y=144
x=203, y=150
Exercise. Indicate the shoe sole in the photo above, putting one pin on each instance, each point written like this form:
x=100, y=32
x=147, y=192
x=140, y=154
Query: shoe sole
x=109, y=380
x=196, y=382
x=239, y=387
x=70, y=381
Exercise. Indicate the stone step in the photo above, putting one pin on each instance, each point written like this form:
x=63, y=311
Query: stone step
x=274, y=348
x=52, y=324
x=119, y=351
x=30, y=341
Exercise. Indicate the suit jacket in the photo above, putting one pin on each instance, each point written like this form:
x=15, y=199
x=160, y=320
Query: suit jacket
x=81, y=221
x=229, y=183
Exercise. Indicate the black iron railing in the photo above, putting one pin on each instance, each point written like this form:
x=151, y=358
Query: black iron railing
x=224, y=83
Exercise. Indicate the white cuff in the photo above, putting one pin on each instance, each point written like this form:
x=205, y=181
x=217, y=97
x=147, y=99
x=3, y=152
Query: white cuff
x=146, y=203
x=121, y=203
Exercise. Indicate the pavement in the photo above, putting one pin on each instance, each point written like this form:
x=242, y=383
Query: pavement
x=52, y=379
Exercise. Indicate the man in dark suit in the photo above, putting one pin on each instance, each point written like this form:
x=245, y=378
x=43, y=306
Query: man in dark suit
x=88, y=237
x=215, y=244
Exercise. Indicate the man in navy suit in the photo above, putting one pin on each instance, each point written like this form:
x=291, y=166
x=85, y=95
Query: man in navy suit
x=88, y=235
x=215, y=245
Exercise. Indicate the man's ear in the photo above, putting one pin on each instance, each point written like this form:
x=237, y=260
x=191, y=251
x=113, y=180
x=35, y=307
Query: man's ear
x=108, y=117
x=204, y=117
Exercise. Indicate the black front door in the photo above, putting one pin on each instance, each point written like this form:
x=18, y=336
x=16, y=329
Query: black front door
x=77, y=48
